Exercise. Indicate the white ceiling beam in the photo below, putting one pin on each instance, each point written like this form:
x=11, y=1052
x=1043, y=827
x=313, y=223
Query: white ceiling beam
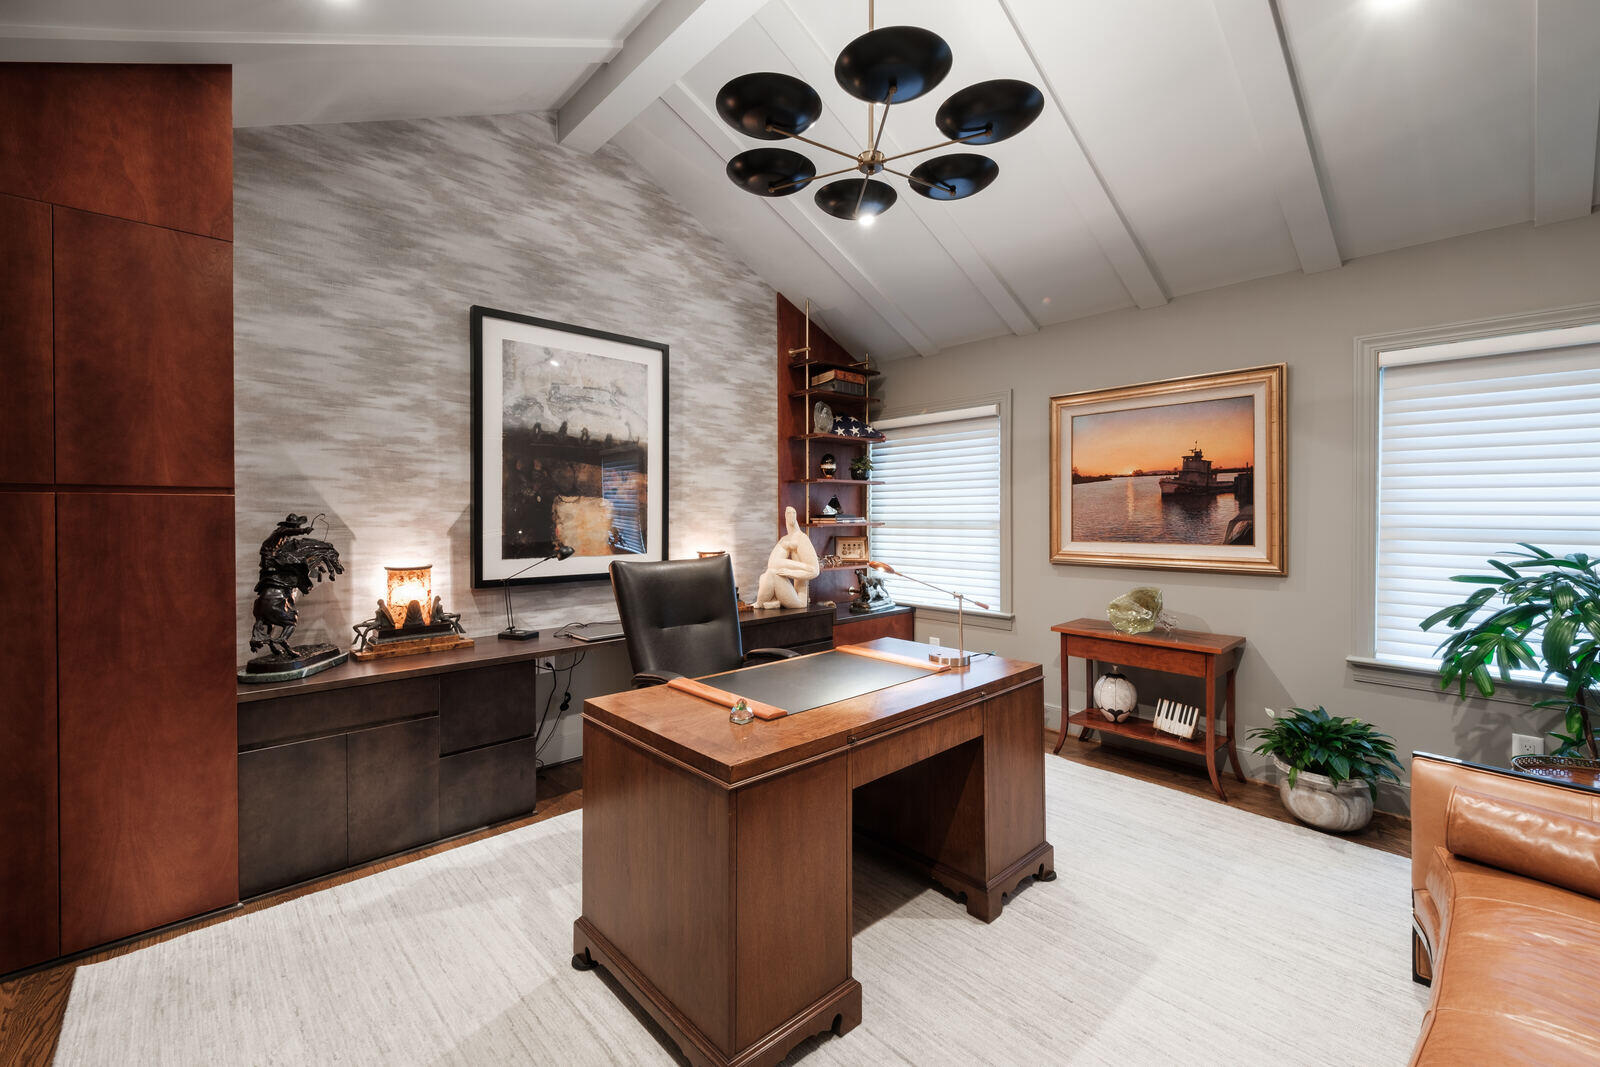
x=595, y=49
x=666, y=45
x=1566, y=109
x=1261, y=61
x=800, y=46
x=726, y=143
x=1082, y=182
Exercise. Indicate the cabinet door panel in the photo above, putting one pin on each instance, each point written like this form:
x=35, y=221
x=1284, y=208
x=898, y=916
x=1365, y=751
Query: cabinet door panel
x=149, y=753
x=394, y=788
x=27, y=413
x=291, y=814
x=480, y=707
x=144, y=355
x=144, y=142
x=29, y=885
x=486, y=785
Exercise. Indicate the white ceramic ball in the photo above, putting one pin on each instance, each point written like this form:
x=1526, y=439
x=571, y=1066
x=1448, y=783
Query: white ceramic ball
x=1115, y=696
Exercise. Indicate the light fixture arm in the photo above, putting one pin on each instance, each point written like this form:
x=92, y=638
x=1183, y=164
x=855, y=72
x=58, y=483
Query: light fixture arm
x=942, y=144
x=961, y=661
x=815, y=144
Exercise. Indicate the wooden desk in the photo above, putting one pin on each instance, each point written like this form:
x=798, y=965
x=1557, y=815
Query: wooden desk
x=1187, y=652
x=716, y=858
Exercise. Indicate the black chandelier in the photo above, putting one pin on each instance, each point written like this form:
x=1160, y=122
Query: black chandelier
x=888, y=66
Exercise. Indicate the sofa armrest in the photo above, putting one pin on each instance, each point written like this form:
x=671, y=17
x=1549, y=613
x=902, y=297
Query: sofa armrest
x=1434, y=780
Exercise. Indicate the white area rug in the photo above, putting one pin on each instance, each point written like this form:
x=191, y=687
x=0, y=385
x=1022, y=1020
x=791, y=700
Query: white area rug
x=1180, y=931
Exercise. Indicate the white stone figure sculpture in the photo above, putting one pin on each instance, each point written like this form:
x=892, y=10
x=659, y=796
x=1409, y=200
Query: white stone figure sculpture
x=786, y=583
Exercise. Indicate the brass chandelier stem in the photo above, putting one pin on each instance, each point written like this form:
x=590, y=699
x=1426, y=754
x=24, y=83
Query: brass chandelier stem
x=946, y=186
x=805, y=181
x=815, y=144
x=942, y=144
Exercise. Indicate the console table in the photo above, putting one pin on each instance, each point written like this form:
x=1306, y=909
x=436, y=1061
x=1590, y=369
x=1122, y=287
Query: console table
x=1186, y=652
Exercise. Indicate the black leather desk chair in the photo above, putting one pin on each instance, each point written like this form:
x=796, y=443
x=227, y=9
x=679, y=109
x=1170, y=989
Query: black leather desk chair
x=681, y=619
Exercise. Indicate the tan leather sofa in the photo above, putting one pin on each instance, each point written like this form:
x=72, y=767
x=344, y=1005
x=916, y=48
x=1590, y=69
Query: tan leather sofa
x=1505, y=897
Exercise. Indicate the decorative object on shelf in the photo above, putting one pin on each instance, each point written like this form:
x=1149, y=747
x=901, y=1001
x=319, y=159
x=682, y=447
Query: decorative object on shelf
x=1115, y=696
x=1186, y=474
x=1329, y=765
x=410, y=619
x=822, y=420
x=830, y=510
x=850, y=426
x=1138, y=611
x=884, y=66
x=840, y=382
x=740, y=713
x=860, y=467
x=1542, y=593
x=291, y=562
x=569, y=436
x=513, y=632
x=851, y=548
x=829, y=466
x=790, y=567
x=870, y=593
x=1179, y=720
x=958, y=658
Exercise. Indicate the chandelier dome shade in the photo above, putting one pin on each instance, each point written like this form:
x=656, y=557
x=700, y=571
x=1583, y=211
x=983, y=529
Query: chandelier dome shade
x=893, y=64
x=751, y=103
x=846, y=199
x=771, y=171
x=955, y=176
x=1003, y=107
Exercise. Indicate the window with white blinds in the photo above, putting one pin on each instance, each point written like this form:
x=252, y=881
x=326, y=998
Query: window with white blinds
x=942, y=501
x=1474, y=456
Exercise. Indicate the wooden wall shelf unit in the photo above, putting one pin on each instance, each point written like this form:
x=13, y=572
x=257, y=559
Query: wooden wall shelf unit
x=805, y=349
x=1210, y=657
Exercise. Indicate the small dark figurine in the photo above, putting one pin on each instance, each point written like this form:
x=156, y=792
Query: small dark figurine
x=870, y=593
x=291, y=563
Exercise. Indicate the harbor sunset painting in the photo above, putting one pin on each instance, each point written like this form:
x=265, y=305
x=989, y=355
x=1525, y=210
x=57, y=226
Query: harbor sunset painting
x=1182, y=474
x=1165, y=474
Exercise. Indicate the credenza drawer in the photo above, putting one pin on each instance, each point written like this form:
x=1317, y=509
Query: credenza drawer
x=1134, y=654
x=265, y=722
x=896, y=749
x=486, y=786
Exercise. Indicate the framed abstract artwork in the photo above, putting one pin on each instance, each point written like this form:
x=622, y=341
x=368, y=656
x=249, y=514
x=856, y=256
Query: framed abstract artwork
x=1185, y=474
x=569, y=449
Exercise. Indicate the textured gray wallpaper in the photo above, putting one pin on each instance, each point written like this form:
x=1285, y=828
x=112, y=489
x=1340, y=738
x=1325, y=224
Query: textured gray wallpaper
x=358, y=250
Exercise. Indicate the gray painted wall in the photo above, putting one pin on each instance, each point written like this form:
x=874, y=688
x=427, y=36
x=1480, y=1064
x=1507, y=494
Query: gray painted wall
x=1299, y=627
x=358, y=250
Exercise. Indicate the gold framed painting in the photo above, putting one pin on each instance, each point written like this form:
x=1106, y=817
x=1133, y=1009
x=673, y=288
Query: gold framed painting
x=1184, y=474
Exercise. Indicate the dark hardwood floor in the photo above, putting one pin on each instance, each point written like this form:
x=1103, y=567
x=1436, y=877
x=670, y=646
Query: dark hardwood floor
x=32, y=1005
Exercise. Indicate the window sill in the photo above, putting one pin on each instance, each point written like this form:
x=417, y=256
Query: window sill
x=986, y=620
x=1405, y=676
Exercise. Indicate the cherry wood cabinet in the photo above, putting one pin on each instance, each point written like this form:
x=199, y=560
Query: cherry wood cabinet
x=27, y=451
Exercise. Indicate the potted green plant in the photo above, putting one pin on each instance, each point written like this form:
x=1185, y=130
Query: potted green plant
x=1328, y=766
x=1554, y=600
x=860, y=467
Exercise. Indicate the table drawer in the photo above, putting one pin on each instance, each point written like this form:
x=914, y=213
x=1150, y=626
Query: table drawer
x=897, y=749
x=1133, y=654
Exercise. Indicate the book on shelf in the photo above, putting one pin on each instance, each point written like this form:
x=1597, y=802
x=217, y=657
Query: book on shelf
x=841, y=389
x=838, y=376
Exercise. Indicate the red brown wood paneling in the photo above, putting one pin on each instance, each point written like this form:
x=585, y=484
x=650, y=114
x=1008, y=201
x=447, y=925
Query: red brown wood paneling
x=144, y=355
x=148, y=727
x=29, y=866
x=27, y=442
x=148, y=143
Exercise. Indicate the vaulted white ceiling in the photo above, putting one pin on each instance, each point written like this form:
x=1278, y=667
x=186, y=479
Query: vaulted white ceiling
x=1185, y=144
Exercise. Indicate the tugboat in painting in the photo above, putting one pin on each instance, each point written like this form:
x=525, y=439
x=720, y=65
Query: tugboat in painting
x=1195, y=479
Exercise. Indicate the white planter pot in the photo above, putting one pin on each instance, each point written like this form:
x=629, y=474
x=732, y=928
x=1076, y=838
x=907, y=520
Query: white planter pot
x=1316, y=801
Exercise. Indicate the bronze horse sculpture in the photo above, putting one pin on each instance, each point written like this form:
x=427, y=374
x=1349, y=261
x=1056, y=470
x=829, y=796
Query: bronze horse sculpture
x=291, y=563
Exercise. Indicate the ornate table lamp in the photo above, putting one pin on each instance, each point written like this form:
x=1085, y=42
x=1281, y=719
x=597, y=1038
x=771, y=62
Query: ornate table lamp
x=959, y=659
x=410, y=619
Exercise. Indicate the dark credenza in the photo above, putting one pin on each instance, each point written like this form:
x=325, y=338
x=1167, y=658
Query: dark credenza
x=374, y=758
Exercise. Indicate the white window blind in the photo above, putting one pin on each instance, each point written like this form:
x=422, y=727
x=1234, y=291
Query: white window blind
x=1474, y=456
x=942, y=504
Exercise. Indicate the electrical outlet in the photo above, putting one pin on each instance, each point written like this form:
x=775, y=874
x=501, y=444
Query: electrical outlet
x=933, y=640
x=1527, y=745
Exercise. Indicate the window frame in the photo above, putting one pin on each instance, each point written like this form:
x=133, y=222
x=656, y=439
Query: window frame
x=1369, y=351
x=1001, y=401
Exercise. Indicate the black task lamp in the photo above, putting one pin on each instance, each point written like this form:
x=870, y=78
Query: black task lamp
x=511, y=632
x=960, y=659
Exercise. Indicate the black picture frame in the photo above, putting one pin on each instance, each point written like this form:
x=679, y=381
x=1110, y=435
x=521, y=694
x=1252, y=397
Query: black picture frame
x=579, y=568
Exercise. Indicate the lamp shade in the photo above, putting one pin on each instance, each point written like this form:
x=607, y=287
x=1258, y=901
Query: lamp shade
x=752, y=102
x=405, y=585
x=893, y=64
x=955, y=176
x=846, y=199
x=771, y=171
x=994, y=110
